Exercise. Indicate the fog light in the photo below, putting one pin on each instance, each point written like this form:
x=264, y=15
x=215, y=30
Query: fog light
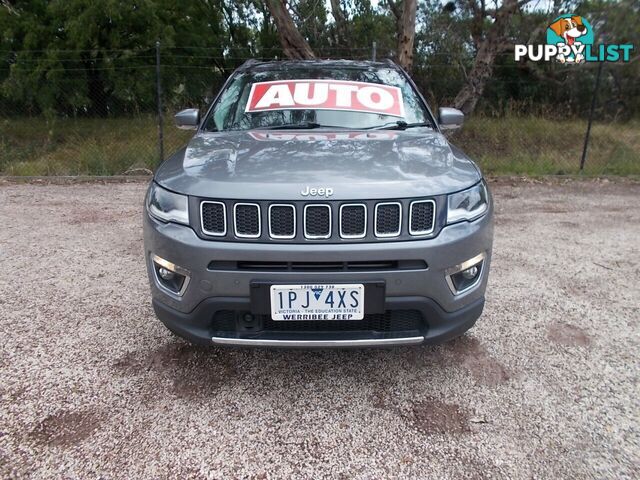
x=465, y=276
x=170, y=277
x=165, y=274
x=470, y=273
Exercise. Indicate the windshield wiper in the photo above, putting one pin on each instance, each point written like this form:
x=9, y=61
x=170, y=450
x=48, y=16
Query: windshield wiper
x=291, y=126
x=400, y=125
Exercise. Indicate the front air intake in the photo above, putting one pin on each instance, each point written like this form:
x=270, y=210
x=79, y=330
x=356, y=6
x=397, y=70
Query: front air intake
x=247, y=220
x=282, y=221
x=213, y=216
x=332, y=221
x=353, y=220
x=317, y=221
x=422, y=217
x=388, y=219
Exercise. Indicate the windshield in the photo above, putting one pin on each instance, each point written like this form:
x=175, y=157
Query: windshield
x=316, y=97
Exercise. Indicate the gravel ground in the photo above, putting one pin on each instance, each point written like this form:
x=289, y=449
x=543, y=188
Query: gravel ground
x=545, y=385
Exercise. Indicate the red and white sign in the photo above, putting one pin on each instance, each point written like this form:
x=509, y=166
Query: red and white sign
x=271, y=135
x=325, y=95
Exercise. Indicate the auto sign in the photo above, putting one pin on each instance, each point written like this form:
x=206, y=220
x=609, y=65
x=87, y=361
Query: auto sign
x=322, y=136
x=325, y=95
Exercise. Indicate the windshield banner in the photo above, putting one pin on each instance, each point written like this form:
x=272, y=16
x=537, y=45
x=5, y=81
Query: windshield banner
x=325, y=95
x=263, y=136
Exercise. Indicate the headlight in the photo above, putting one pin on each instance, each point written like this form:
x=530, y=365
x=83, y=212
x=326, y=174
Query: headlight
x=468, y=204
x=167, y=206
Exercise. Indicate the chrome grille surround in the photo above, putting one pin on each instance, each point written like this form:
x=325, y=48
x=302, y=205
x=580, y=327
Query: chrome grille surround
x=412, y=231
x=394, y=233
x=364, y=231
x=235, y=220
x=224, y=218
x=279, y=236
x=268, y=221
x=306, y=218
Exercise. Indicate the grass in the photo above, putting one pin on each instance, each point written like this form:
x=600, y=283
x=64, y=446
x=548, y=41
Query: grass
x=34, y=146
x=537, y=146
x=508, y=145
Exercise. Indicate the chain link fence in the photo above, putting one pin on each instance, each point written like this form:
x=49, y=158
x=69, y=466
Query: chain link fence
x=72, y=113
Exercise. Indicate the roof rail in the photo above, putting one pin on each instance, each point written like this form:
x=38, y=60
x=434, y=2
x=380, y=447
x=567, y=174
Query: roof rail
x=249, y=62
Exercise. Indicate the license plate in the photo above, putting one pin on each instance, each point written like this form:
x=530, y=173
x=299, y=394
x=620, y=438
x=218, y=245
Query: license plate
x=317, y=302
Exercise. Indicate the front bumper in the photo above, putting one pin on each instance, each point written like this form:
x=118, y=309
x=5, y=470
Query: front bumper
x=442, y=326
x=423, y=290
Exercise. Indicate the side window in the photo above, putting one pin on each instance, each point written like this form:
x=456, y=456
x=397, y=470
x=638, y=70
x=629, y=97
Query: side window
x=414, y=111
x=224, y=113
x=237, y=117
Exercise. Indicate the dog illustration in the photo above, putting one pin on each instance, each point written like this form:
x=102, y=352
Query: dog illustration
x=569, y=29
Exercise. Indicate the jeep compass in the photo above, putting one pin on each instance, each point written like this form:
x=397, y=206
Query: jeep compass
x=318, y=204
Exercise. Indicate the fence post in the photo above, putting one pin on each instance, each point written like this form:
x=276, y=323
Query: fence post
x=373, y=52
x=593, y=107
x=159, y=105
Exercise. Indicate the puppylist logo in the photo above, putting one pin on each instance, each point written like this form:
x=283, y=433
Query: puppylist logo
x=570, y=39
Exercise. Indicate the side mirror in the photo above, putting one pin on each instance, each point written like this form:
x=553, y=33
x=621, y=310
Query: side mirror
x=188, y=119
x=450, y=118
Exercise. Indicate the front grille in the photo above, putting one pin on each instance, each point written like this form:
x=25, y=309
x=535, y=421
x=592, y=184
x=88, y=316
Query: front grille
x=421, y=218
x=363, y=266
x=353, y=221
x=214, y=218
x=388, y=219
x=247, y=220
x=224, y=321
x=390, y=321
x=331, y=221
x=282, y=221
x=317, y=221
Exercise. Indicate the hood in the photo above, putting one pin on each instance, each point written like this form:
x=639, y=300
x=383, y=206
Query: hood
x=279, y=165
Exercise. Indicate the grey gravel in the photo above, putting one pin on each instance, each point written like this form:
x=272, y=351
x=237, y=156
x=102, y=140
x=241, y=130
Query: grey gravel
x=545, y=385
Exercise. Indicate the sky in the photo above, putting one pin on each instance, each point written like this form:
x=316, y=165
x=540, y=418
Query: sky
x=542, y=5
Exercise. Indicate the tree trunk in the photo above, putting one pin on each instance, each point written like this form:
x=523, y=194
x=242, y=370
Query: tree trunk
x=406, y=34
x=338, y=16
x=293, y=43
x=488, y=48
x=96, y=90
x=468, y=96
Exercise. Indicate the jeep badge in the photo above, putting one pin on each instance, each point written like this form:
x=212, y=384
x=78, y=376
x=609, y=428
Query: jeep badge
x=320, y=192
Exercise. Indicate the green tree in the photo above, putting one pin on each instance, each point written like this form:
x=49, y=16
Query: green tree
x=98, y=57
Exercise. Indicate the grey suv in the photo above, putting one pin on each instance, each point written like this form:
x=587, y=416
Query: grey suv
x=317, y=205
